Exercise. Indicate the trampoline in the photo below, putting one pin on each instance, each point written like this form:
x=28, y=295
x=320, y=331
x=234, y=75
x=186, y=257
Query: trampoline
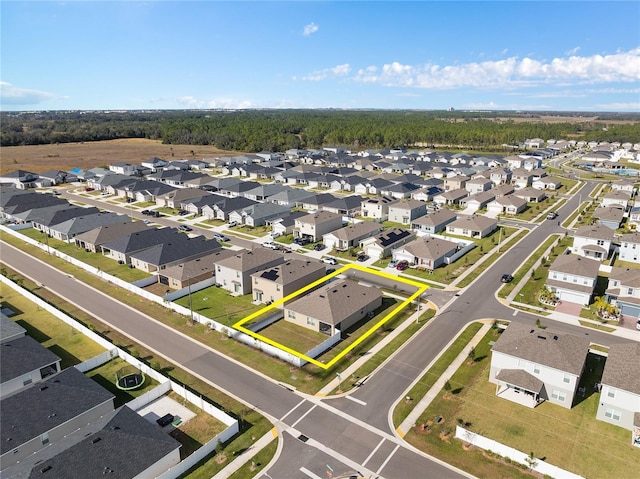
x=129, y=378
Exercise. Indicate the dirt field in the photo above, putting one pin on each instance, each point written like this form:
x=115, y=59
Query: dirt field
x=65, y=156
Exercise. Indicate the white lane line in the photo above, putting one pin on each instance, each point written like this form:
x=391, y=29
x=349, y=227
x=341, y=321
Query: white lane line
x=306, y=471
x=304, y=415
x=373, y=452
x=515, y=312
x=387, y=459
x=356, y=400
x=293, y=409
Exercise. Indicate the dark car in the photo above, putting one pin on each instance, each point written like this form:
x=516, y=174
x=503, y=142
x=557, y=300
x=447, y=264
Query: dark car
x=362, y=258
x=156, y=214
x=318, y=247
x=402, y=265
x=183, y=212
x=506, y=278
x=301, y=241
x=145, y=212
x=185, y=228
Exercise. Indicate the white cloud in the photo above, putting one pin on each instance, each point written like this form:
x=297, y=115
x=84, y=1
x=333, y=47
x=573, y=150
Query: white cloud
x=509, y=72
x=337, y=71
x=217, y=103
x=13, y=95
x=631, y=106
x=310, y=29
x=573, y=51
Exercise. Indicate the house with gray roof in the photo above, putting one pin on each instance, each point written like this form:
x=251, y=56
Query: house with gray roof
x=623, y=291
x=346, y=206
x=400, y=190
x=92, y=240
x=285, y=224
x=609, y=217
x=175, y=198
x=373, y=186
x=507, y=205
x=121, y=249
x=473, y=226
x=334, y=306
x=428, y=252
x=617, y=199
x=13, y=202
x=531, y=195
x=233, y=273
x=258, y=214
x=277, y=282
x=315, y=202
x=547, y=183
x=451, y=197
x=19, y=179
x=630, y=247
x=263, y=192
x=69, y=229
x=179, y=249
x=477, y=201
x=350, y=236
x=220, y=207
x=49, y=218
x=620, y=393
x=434, y=221
x=238, y=189
x=593, y=241
x=192, y=271
x=405, y=211
x=316, y=225
x=377, y=207
x=290, y=197
x=47, y=411
x=530, y=365
x=426, y=193
x=573, y=278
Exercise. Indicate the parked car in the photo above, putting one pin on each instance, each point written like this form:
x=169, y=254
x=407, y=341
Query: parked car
x=231, y=224
x=506, y=278
x=156, y=214
x=329, y=260
x=183, y=212
x=270, y=244
x=185, y=228
x=318, y=247
x=362, y=257
x=392, y=263
x=274, y=234
x=220, y=237
x=402, y=265
x=301, y=241
x=552, y=216
x=88, y=189
x=145, y=212
x=638, y=325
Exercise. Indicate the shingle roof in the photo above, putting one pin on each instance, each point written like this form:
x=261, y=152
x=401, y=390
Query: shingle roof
x=102, y=234
x=435, y=218
x=247, y=260
x=430, y=247
x=319, y=217
x=142, y=239
x=621, y=368
x=473, y=222
x=290, y=271
x=196, y=267
x=9, y=329
x=561, y=351
x=82, y=224
x=595, y=231
x=578, y=265
x=391, y=236
x=356, y=230
x=21, y=356
x=408, y=205
x=179, y=248
x=521, y=378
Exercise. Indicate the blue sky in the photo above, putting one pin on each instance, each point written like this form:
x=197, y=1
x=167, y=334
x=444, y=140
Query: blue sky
x=519, y=55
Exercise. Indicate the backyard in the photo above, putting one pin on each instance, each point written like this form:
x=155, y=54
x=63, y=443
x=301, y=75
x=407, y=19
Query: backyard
x=218, y=304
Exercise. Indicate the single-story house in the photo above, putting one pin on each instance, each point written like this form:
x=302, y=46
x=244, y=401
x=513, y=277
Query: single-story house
x=434, y=222
x=473, y=226
x=507, y=205
x=193, y=271
x=381, y=245
x=427, y=252
x=350, y=236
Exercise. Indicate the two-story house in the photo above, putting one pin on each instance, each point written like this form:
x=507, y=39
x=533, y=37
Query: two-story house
x=530, y=365
x=478, y=185
x=377, y=207
x=315, y=225
x=233, y=273
x=623, y=291
x=277, y=282
x=617, y=199
x=630, y=248
x=573, y=278
x=593, y=241
x=406, y=211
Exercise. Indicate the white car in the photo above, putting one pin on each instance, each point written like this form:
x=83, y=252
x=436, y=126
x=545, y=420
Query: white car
x=329, y=260
x=231, y=224
x=274, y=234
x=270, y=244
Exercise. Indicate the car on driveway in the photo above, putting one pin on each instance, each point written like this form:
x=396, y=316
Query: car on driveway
x=506, y=278
x=392, y=263
x=318, y=247
x=362, y=258
x=329, y=260
x=402, y=265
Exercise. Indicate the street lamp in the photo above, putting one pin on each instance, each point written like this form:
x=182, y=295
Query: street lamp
x=339, y=381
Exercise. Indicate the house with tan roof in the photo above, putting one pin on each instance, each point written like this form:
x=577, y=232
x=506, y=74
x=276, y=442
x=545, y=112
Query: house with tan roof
x=478, y=200
x=382, y=245
x=609, y=217
x=451, y=197
x=335, y=306
x=315, y=225
x=547, y=183
x=406, y=211
x=427, y=252
x=620, y=393
x=521, y=178
x=233, y=273
x=624, y=185
x=193, y=271
x=530, y=365
x=350, y=236
x=573, y=278
x=434, y=221
x=531, y=195
x=377, y=207
x=507, y=205
x=593, y=241
x=623, y=291
x=473, y=226
x=478, y=185
x=274, y=283
x=456, y=182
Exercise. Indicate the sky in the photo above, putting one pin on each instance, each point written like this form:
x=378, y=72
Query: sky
x=476, y=55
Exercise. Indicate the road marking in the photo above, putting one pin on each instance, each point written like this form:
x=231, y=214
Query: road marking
x=306, y=471
x=373, y=452
x=515, y=312
x=387, y=459
x=293, y=409
x=304, y=415
x=356, y=400
x=274, y=431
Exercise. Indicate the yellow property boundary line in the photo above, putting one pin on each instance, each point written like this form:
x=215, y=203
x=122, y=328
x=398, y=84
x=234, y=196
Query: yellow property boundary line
x=421, y=289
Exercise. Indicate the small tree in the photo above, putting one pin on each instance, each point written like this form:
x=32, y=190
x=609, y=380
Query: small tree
x=472, y=354
x=447, y=386
x=531, y=460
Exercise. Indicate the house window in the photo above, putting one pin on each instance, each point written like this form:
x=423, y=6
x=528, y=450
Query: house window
x=536, y=369
x=612, y=414
x=566, y=379
x=564, y=277
x=522, y=363
x=600, y=242
x=611, y=393
x=554, y=275
x=465, y=232
x=558, y=395
x=311, y=321
x=630, y=291
x=219, y=269
x=291, y=314
x=237, y=274
x=277, y=287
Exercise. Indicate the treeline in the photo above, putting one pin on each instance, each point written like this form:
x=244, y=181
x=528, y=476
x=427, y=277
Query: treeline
x=279, y=130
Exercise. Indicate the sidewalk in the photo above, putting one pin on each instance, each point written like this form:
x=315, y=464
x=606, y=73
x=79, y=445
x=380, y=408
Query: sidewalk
x=423, y=404
x=247, y=455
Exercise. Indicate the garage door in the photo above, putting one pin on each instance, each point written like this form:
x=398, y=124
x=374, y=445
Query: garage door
x=632, y=310
x=571, y=297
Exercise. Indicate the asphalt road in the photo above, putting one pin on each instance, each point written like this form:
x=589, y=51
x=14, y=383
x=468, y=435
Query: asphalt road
x=352, y=433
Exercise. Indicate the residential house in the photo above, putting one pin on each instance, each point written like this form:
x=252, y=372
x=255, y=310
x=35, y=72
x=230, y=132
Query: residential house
x=434, y=222
x=400, y=190
x=121, y=168
x=617, y=199
x=49, y=217
x=530, y=365
x=284, y=225
x=54, y=177
x=175, y=198
x=521, y=178
x=239, y=189
x=531, y=195
x=259, y=214
x=377, y=208
x=457, y=182
x=234, y=272
x=24, y=360
x=503, y=190
x=623, y=291
x=263, y=192
x=191, y=272
x=630, y=248
x=122, y=248
x=222, y=207
x=478, y=185
x=426, y=193
x=593, y=241
x=382, y=245
x=154, y=164
x=633, y=222
x=315, y=202
x=92, y=240
x=620, y=389
x=427, y=252
x=500, y=176
x=334, y=307
x=290, y=197
x=624, y=185
x=404, y=212
x=13, y=202
x=350, y=236
x=316, y=225
x=20, y=179
x=573, y=278
x=373, y=186
x=547, y=183
x=609, y=216
x=534, y=143
x=473, y=226
x=69, y=229
x=181, y=248
x=450, y=198
x=346, y=206
x=477, y=201
x=507, y=205
x=277, y=282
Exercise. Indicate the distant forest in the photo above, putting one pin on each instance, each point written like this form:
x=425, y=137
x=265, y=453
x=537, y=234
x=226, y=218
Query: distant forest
x=279, y=130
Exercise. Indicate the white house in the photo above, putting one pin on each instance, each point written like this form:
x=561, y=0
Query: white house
x=573, y=278
x=377, y=207
x=623, y=291
x=630, y=248
x=530, y=365
x=593, y=241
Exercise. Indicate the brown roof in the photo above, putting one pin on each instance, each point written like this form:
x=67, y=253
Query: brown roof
x=407, y=205
x=246, y=260
x=595, y=231
x=473, y=222
x=629, y=277
x=429, y=247
x=335, y=301
x=621, y=368
x=630, y=238
x=436, y=218
x=102, y=234
x=561, y=351
x=357, y=230
x=196, y=267
x=578, y=265
x=319, y=217
x=290, y=271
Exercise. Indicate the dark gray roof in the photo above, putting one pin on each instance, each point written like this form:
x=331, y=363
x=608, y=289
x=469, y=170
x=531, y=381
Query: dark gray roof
x=180, y=247
x=232, y=204
x=21, y=356
x=318, y=200
x=82, y=224
x=120, y=445
x=621, y=368
x=241, y=187
x=345, y=203
x=50, y=218
x=45, y=405
x=561, y=351
x=9, y=329
x=102, y=234
x=290, y=219
x=141, y=240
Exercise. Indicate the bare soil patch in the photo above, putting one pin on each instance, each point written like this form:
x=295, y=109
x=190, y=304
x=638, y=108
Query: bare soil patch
x=86, y=155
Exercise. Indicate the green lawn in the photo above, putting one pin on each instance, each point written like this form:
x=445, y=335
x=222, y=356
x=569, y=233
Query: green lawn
x=218, y=304
x=293, y=336
x=568, y=438
x=105, y=375
x=69, y=344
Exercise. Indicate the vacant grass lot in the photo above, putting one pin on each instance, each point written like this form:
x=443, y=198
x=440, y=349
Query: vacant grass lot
x=568, y=438
x=70, y=345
